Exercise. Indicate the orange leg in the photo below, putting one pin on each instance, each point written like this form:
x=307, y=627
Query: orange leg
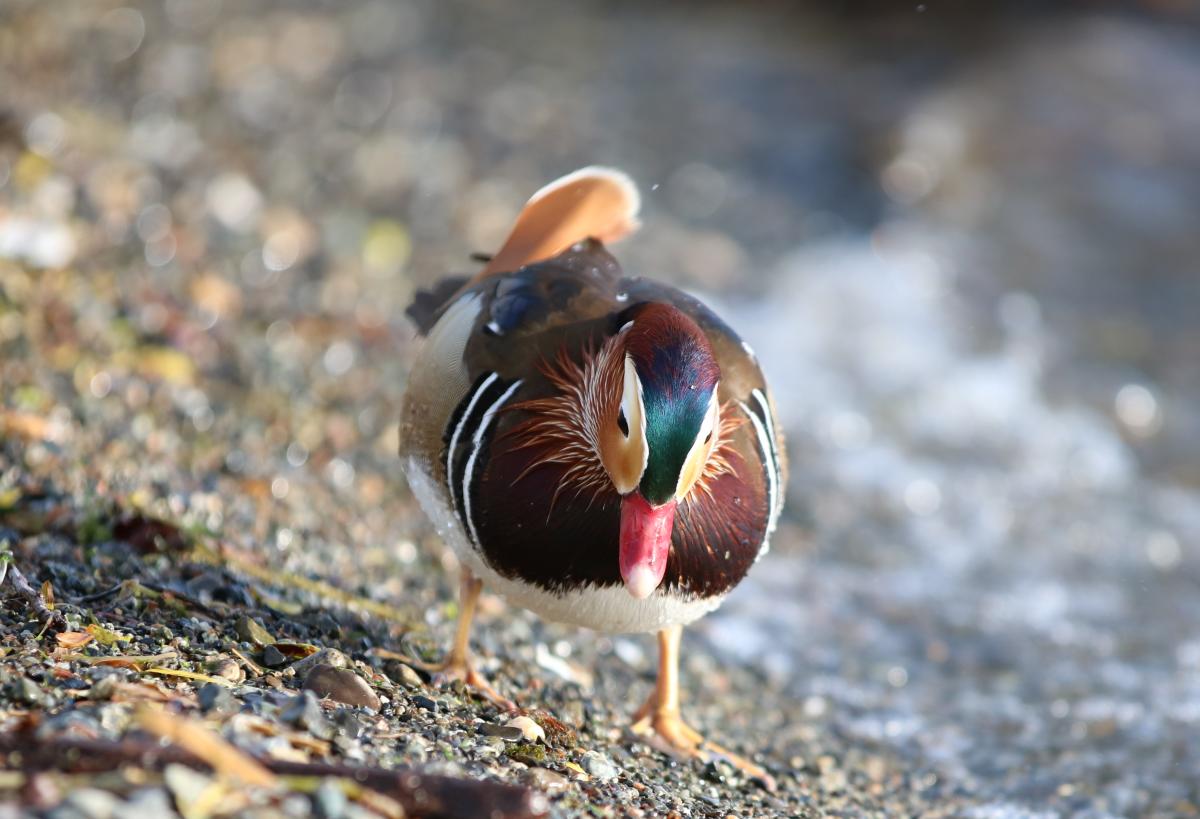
x=660, y=722
x=458, y=665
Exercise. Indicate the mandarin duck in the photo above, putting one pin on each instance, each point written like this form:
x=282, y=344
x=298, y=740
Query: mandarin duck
x=598, y=448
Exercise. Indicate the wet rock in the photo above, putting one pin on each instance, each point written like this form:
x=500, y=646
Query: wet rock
x=341, y=685
x=599, y=766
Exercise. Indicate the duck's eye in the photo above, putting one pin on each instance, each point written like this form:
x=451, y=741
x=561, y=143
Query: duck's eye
x=622, y=423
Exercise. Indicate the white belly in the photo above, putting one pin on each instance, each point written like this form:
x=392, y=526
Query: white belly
x=609, y=609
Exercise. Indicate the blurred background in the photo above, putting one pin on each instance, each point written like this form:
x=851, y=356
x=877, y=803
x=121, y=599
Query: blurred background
x=965, y=243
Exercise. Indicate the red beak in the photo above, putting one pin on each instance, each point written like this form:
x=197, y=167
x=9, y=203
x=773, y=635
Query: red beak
x=645, y=543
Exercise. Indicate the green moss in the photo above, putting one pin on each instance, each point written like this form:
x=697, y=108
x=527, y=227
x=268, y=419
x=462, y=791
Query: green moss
x=528, y=752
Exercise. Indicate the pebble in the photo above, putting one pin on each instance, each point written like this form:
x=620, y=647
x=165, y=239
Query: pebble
x=273, y=657
x=404, y=675
x=509, y=733
x=530, y=730
x=599, y=766
x=186, y=785
x=573, y=714
x=93, y=802
x=146, y=803
x=103, y=688
x=304, y=711
x=341, y=685
x=227, y=668
x=252, y=631
x=329, y=800
x=545, y=780
x=217, y=699
x=325, y=656
x=421, y=701
x=27, y=691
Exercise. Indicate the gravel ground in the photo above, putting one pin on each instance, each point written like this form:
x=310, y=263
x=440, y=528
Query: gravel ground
x=967, y=259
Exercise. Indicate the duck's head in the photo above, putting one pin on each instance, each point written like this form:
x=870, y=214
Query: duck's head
x=656, y=441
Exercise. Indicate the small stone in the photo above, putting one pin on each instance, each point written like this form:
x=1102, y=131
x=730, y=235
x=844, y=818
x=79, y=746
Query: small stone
x=341, y=685
x=325, y=656
x=251, y=631
x=27, y=691
x=415, y=749
x=93, y=802
x=509, y=733
x=227, y=668
x=404, y=675
x=305, y=712
x=545, y=780
x=186, y=785
x=599, y=766
x=530, y=730
x=218, y=699
x=329, y=800
x=421, y=701
x=147, y=803
x=573, y=714
x=273, y=657
x=103, y=688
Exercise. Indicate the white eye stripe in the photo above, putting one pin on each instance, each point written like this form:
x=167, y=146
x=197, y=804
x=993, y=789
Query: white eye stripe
x=476, y=446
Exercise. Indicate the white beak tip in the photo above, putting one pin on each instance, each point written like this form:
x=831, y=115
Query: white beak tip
x=641, y=582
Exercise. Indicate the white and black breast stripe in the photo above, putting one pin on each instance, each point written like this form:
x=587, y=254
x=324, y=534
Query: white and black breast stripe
x=764, y=431
x=466, y=436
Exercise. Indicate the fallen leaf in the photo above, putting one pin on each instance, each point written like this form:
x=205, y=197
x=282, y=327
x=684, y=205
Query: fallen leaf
x=107, y=637
x=74, y=639
x=574, y=767
x=48, y=595
x=295, y=650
